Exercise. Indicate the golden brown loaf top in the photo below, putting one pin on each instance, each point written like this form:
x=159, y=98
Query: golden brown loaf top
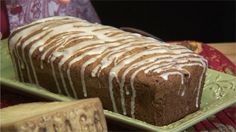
x=83, y=115
x=63, y=43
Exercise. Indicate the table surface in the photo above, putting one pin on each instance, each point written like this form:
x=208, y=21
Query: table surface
x=227, y=48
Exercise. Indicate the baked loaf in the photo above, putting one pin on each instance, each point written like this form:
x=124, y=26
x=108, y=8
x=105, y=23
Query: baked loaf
x=75, y=116
x=134, y=75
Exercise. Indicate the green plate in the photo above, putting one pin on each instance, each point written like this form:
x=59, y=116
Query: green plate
x=219, y=92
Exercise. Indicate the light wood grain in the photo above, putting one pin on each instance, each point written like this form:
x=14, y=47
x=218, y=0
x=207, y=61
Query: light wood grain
x=227, y=48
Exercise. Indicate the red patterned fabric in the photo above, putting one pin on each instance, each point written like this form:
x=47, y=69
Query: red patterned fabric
x=21, y=12
x=217, y=61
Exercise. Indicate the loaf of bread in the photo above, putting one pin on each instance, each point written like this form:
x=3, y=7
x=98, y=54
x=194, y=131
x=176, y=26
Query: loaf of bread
x=134, y=75
x=75, y=116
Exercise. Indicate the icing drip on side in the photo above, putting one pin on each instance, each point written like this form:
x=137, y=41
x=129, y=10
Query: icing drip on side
x=55, y=78
x=15, y=63
x=200, y=81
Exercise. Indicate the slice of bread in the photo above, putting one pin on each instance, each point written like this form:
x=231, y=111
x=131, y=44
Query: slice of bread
x=83, y=115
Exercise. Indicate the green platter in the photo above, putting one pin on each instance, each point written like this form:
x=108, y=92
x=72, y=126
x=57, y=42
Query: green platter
x=219, y=92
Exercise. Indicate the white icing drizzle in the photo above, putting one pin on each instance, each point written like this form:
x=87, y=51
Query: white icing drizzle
x=135, y=65
x=57, y=29
x=111, y=77
x=61, y=75
x=70, y=52
x=98, y=50
x=20, y=71
x=114, y=71
x=20, y=64
x=143, y=67
x=200, y=80
x=166, y=75
x=31, y=62
x=20, y=61
x=63, y=82
x=60, y=70
x=109, y=58
x=77, y=59
x=71, y=84
x=60, y=41
x=55, y=78
x=27, y=67
x=111, y=47
x=14, y=63
x=32, y=49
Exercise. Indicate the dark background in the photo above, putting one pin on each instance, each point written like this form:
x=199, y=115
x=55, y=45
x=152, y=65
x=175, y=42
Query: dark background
x=211, y=21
